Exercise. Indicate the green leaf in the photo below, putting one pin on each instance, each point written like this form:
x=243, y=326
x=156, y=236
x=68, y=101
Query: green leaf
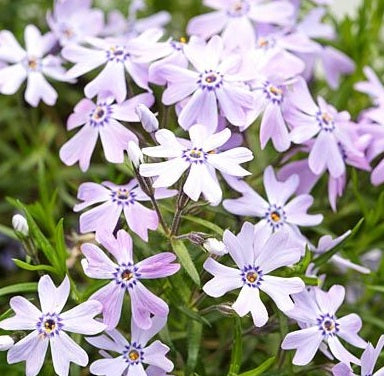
x=194, y=315
x=261, y=368
x=322, y=259
x=218, y=230
x=40, y=240
x=195, y=330
x=26, y=266
x=19, y=288
x=8, y=232
x=237, y=349
x=376, y=288
x=61, y=247
x=185, y=260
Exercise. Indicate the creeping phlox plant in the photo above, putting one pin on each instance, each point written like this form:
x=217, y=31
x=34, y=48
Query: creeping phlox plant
x=204, y=220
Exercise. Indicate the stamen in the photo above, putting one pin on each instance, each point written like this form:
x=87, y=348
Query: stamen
x=275, y=216
x=183, y=40
x=49, y=325
x=134, y=355
x=126, y=275
x=252, y=276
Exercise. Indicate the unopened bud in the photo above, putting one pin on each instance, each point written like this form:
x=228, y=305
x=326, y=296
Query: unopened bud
x=196, y=238
x=147, y=118
x=215, y=247
x=20, y=224
x=135, y=154
x=6, y=342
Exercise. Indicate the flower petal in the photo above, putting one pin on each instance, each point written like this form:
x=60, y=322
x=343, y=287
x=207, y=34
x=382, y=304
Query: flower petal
x=52, y=298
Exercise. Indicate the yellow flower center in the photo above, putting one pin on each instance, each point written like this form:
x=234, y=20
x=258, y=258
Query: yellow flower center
x=275, y=216
x=133, y=355
x=49, y=326
x=252, y=276
x=126, y=275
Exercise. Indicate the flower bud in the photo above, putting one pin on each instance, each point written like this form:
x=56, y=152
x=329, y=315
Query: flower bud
x=6, y=342
x=215, y=247
x=147, y=118
x=135, y=154
x=20, y=224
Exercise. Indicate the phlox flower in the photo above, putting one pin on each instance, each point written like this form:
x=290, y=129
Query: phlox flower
x=125, y=276
x=236, y=19
x=276, y=212
x=373, y=86
x=254, y=261
x=133, y=355
x=315, y=310
x=200, y=157
x=72, y=21
x=49, y=325
x=326, y=243
x=34, y=64
x=368, y=362
x=274, y=80
x=113, y=200
x=102, y=119
x=117, y=55
x=331, y=129
x=213, y=83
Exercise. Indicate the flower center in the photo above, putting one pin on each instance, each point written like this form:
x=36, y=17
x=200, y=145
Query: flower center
x=210, y=79
x=123, y=196
x=49, y=325
x=117, y=54
x=195, y=155
x=133, y=354
x=126, y=275
x=328, y=325
x=325, y=121
x=32, y=64
x=275, y=216
x=264, y=43
x=273, y=93
x=238, y=8
x=252, y=276
x=100, y=115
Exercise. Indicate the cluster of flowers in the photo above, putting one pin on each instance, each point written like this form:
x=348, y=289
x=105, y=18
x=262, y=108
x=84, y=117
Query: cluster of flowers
x=247, y=59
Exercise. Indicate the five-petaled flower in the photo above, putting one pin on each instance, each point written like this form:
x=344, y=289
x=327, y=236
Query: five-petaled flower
x=31, y=64
x=133, y=355
x=276, y=213
x=114, y=200
x=255, y=259
x=49, y=326
x=201, y=156
x=126, y=276
x=102, y=119
x=315, y=311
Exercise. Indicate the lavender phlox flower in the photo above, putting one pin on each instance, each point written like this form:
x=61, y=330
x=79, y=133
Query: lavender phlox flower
x=103, y=119
x=326, y=244
x=125, y=277
x=200, y=157
x=277, y=212
x=315, y=311
x=117, y=56
x=236, y=20
x=49, y=326
x=274, y=79
x=34, y=64
x=110, y=200
x=133, y=355
x=332, y=131
x=373, y=86
x=72, y=21
x=368, y=362
x=255, y=259
x=214, y=83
